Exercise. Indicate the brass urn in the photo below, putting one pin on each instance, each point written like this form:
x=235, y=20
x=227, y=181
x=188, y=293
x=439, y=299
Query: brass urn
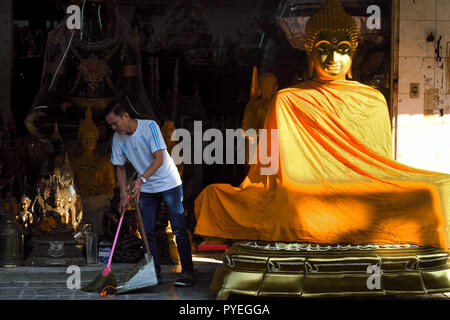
x=11, y=240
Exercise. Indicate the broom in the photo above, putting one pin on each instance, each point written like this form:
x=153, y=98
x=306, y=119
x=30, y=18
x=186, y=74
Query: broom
x=106, y=278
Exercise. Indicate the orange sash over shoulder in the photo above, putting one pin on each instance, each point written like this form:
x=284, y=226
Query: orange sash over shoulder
x=336, y=182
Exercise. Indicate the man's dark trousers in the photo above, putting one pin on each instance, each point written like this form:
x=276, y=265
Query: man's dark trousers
x=149, y=205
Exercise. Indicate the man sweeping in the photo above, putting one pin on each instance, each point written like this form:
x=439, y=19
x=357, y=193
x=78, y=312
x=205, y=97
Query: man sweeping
x=141, y=143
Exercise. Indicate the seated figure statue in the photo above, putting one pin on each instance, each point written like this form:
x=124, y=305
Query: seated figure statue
x=167, y=130
x=262, y=92
x=337, y=190
x=94, y=174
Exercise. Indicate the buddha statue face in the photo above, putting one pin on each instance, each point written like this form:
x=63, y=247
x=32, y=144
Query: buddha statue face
x=331, y=41
x=88, y=141
x=332, y=55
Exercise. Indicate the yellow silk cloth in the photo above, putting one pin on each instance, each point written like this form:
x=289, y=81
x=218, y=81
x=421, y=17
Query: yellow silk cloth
x=336, y=182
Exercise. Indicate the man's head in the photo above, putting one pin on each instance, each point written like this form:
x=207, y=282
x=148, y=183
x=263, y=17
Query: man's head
x=118, y=117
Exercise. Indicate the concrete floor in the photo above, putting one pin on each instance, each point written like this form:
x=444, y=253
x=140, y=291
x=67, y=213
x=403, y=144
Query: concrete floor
x=50, y=283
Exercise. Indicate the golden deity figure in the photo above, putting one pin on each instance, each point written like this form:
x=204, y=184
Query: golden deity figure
x=25, y=216
x=332, y=197
x=94, y=174
x=263, y=89
x=58, y=194
x=166, y=130
x=60, y=205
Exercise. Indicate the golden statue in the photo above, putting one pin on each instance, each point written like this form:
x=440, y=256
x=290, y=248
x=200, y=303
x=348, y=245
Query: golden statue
x=167, y=129
x=60, y=205
x=262, y=91
x=332, y=205
x=94, y=174
x=58, y=194
x=25, y=216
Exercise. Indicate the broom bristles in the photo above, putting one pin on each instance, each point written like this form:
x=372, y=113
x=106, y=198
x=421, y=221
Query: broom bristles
x=100, y=282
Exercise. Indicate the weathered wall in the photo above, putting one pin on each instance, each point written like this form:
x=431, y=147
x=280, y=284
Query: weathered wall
x=424, y=121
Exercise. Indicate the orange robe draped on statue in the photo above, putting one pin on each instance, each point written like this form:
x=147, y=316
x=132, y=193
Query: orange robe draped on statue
x=336, y=182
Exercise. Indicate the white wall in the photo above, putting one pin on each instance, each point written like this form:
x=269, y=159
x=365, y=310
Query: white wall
x=423, y=141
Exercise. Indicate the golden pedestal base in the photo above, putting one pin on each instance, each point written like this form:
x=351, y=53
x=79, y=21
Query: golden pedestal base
x=306, y=270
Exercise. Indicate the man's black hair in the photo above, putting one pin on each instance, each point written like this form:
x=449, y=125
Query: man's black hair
x=119, y=107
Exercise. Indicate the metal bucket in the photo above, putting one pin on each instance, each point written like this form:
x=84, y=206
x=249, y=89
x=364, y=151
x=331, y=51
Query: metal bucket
x=11, y=241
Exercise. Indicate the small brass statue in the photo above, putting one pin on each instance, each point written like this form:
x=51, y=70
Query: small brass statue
x=25, y=216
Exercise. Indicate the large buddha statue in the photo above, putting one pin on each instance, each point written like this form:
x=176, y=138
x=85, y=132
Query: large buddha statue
x=94, y=173
x=336, y=183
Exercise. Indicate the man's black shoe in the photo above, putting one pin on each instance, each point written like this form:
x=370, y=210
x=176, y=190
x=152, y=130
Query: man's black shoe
x=186, y=280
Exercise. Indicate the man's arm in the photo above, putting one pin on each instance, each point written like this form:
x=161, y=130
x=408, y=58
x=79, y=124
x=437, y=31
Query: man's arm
x=121, y=175
x=154, y=166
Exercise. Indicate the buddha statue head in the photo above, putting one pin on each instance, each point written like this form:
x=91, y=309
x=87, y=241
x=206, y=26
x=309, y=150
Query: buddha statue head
x=88, y=132
x=331, y=41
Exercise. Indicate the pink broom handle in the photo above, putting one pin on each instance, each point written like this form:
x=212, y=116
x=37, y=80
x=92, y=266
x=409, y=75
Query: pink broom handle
x=108, y=266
